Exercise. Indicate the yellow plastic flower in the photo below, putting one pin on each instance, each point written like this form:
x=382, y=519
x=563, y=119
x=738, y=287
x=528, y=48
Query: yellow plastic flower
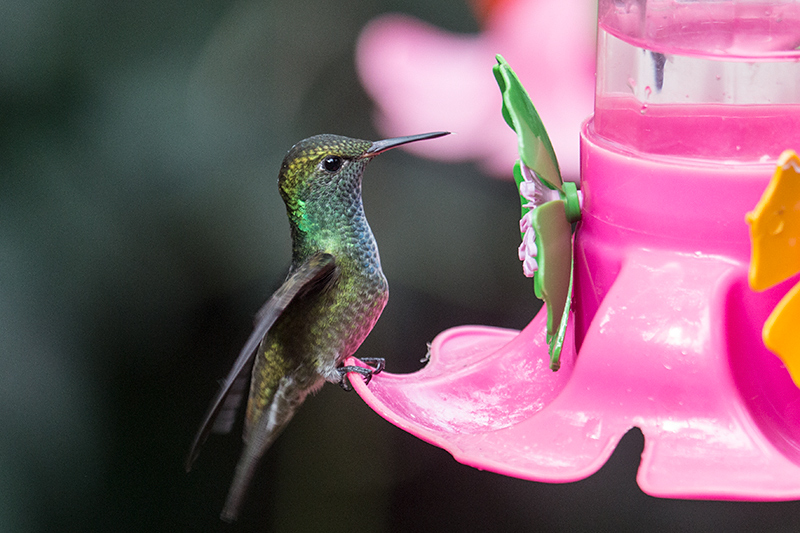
x=775, y=238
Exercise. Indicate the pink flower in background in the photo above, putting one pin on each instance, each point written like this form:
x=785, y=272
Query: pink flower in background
x=423, y=78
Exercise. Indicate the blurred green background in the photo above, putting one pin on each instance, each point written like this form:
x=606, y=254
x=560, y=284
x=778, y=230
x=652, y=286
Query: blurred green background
x=140, y=230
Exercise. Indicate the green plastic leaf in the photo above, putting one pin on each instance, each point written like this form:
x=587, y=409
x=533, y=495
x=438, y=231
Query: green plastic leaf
x=535, y=148
x=557, y=343
x=554, y=256
x=551, y=220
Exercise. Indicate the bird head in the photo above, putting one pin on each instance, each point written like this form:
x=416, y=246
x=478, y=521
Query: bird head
x=325, y=165
x=324, y=173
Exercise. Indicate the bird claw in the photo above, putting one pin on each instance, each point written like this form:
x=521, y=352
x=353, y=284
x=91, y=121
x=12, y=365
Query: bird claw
x=366, y=373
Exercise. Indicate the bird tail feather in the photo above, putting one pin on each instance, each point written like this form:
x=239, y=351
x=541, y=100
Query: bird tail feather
x=284, y=404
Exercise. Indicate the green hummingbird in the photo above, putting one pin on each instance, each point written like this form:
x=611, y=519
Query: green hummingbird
x=333, y=295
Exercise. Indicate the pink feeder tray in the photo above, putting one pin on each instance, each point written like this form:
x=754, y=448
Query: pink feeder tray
x=669, y=341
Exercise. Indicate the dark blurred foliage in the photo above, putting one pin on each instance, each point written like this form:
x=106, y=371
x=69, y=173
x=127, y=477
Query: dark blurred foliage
x=140, y=229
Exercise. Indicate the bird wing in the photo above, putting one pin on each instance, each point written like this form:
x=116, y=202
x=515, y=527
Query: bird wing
x=318, y=271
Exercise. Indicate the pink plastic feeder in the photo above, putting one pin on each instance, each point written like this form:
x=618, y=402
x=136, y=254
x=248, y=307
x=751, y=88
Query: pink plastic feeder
x=695, y=102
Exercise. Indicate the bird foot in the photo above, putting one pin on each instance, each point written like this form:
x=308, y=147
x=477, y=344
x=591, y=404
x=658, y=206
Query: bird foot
x=366, y=373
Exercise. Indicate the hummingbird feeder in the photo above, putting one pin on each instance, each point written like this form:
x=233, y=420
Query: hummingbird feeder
x=650, y=320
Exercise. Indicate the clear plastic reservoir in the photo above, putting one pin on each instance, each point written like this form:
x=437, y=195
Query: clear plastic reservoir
x=699, y=79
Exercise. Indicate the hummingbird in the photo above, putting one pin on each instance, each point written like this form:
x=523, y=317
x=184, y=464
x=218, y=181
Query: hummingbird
x=332, y=296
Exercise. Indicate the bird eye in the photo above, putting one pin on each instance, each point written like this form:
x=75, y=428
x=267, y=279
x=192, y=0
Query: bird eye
x=332, y=163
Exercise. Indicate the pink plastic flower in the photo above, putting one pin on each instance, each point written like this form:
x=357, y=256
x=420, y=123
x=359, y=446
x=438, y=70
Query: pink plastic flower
x=424, y=78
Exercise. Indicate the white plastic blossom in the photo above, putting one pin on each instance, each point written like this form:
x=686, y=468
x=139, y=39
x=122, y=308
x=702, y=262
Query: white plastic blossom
x=533, y=190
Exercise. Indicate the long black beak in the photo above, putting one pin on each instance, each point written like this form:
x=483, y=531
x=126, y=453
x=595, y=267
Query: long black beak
x=379, y=147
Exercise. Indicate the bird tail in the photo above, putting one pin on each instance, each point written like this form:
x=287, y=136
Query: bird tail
x=260, y=437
